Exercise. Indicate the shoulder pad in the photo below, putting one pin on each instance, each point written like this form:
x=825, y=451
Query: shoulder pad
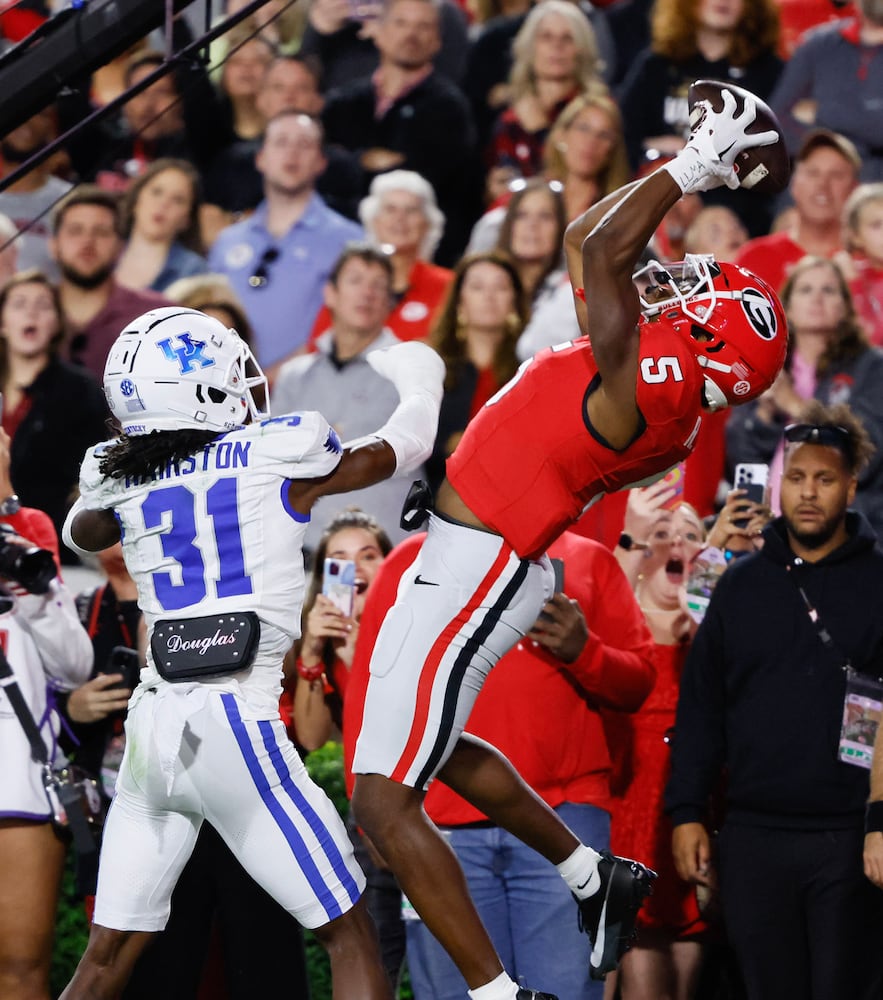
x=305, y=442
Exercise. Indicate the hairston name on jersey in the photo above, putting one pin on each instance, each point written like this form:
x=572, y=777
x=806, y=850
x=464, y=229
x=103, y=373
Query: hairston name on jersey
x=215, y=456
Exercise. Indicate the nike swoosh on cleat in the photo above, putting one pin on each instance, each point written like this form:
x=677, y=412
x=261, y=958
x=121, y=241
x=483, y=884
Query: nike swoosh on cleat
x=598, y=947
x=597, y=956
x=425, y=583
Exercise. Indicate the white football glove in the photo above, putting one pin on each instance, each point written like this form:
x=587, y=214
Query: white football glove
x=718, y=137
x=418, y=374
x=410, y=366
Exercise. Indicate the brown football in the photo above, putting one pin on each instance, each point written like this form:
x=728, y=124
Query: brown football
x=765, y=169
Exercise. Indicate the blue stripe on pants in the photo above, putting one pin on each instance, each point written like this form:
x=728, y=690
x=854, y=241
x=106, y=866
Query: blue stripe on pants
x=283, y=820
x=323, y=835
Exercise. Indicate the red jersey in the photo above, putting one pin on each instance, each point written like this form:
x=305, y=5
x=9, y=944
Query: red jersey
x=530, y=462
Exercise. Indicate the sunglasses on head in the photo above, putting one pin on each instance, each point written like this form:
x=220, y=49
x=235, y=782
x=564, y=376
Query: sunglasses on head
x=828, y=434
x=261, y=276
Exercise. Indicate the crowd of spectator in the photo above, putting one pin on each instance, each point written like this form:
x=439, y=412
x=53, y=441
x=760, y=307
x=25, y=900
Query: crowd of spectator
x=342, y=175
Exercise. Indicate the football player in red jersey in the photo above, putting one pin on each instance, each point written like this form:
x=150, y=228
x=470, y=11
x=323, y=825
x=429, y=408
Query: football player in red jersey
x=616, y=407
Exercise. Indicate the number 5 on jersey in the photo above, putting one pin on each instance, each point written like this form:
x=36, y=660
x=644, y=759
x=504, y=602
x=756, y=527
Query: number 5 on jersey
x=656, y=370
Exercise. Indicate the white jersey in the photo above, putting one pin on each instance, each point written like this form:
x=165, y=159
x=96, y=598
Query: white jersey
x=214, y=533
x=47, y=647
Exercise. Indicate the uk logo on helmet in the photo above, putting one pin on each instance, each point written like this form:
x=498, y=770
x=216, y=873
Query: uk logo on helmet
x=760, y=313
x=188, y=356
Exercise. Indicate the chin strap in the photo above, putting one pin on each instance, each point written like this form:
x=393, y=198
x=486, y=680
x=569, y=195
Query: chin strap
x=713, y=395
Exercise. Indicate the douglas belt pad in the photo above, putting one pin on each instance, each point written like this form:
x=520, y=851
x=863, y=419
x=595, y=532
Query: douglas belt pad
x=190, y=648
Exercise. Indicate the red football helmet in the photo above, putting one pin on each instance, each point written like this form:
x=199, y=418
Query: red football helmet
x=732, y=320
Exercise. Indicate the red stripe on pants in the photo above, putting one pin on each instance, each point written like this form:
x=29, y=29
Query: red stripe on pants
x=431, y=666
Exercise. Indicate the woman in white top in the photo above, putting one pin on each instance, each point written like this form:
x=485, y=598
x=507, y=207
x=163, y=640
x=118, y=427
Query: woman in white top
x=46, y=648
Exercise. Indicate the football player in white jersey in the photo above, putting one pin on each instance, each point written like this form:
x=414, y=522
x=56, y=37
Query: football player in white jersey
x=211, y=498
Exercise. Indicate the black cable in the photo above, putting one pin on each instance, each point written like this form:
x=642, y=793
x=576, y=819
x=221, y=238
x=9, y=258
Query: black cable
x=180, y=58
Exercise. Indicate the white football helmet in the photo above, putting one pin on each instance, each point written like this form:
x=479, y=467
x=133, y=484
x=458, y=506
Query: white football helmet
x=176, y=368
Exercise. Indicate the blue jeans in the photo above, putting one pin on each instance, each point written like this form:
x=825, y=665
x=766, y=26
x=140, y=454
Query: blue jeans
x=525, y=906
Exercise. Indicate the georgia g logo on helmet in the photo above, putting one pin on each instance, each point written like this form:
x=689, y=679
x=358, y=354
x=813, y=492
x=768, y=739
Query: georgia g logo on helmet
x=760, y=313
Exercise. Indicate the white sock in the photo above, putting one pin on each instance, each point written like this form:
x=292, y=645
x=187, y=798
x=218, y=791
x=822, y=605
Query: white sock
x=580, y=872
x=501, y=988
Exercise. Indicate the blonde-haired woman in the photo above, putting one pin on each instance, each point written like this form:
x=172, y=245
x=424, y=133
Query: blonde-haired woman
x=584, y=153
x=665, y=961
x=675, y=925
x=555, y=58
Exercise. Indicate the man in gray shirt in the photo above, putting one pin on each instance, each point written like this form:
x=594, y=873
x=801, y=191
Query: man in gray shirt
x=337, y=378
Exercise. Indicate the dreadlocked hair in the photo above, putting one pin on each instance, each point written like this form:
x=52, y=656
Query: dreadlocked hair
x=146, y=455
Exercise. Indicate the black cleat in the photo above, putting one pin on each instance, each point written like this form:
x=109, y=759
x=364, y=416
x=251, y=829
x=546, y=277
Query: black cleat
x=523, y=994
x=608, y=917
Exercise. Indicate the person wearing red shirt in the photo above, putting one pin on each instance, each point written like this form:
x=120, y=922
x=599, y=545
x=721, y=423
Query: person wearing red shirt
x=617, y=406
x=402, y=216
x=862, y=261
x=825, y=172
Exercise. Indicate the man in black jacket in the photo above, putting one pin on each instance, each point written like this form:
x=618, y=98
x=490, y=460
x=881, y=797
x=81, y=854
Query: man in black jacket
x=410, y=116
x=763, y=695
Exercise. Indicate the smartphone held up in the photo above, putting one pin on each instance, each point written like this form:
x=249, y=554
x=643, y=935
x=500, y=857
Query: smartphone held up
x=674, y=479
x=339, y=584
x=753, y=478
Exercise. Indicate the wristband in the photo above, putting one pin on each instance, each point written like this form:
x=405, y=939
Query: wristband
x=874, y=817
x=687, y=170
x=310, y=673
